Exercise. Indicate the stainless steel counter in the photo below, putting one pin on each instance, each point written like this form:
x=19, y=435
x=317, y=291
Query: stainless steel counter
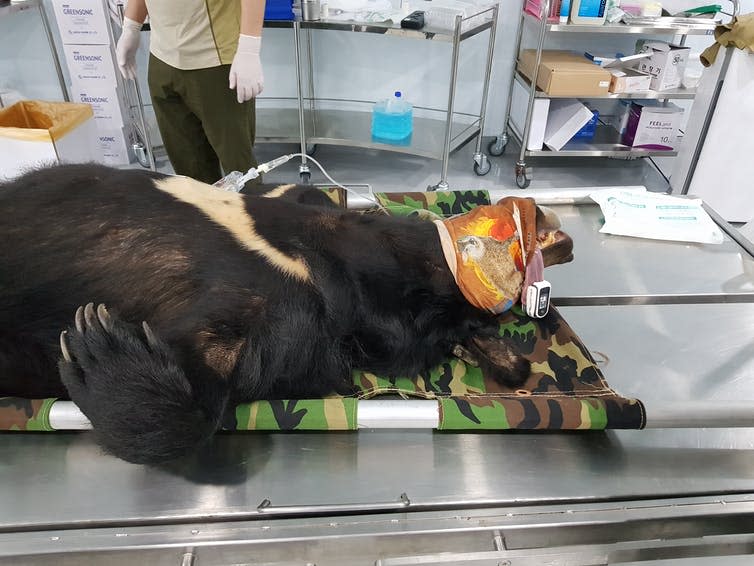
x=655, y=352
x=607, y=265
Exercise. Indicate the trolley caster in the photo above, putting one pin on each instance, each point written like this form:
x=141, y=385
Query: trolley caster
x=523, y=175
x=497, y=146
x=311, y=149
x=141, y=154
x=482, y=165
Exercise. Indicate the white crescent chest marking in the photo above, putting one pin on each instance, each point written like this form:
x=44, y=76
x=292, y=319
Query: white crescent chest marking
x=278, y=191
x=228, y=210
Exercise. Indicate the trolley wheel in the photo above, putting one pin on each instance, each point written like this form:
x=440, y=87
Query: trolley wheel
x=522, y=180
x=482, y=167
x=305, y=177
x=311, y=149
x=497, y=146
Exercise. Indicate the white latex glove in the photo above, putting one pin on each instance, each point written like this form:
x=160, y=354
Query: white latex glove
x=125, y=50
x=246, y=70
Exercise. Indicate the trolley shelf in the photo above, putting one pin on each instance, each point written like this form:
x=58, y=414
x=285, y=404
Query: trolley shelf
x=678, y=28
x=676, y=93
x=606, y=143
x=353, y=128
x=477, y=23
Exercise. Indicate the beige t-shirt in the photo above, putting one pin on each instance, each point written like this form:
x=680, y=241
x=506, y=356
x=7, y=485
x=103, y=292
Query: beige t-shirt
x=194, y=34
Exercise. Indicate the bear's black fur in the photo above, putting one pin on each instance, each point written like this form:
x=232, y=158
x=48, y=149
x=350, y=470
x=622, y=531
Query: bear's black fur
x=226, y=324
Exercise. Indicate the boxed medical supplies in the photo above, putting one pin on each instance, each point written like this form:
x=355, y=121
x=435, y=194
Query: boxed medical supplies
x=666, y=64
x=105, y=105
x=36, y=133
x=90, y=66
x=538, y=120
x=626, y=80
x=564, y=121
x=652, y=125
x=81, y=22
x=563, y=73
x=625, y=77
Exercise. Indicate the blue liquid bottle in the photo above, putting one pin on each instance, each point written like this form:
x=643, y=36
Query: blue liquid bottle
x=392, y=120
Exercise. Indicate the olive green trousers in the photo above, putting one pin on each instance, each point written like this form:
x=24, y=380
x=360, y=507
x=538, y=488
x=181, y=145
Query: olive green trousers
x=206, y=132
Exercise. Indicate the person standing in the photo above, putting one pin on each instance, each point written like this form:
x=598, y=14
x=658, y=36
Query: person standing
x=204, y=74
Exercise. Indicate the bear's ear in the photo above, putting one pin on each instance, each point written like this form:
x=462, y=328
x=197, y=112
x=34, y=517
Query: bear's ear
x=556, y=245
x=547, y=219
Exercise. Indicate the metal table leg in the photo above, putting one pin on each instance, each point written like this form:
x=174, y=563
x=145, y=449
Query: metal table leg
x=497, y=147
x=303, y=168
x=523, y=175
x=481, y=163
x=443, y=184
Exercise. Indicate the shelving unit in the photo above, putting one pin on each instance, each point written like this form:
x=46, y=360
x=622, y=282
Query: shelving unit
x=606, y=142
x=437, y=132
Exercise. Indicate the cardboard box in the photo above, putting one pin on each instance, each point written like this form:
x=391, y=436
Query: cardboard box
x=666, y=64
x=37, y=133
x=90, y=66
x=586, y=133
x=565, y=119
x=652, y=125
x=562, y=73
x=538, y=121
x=110, y=147
x=81, y=22
x=105, y=105
x=629, y=80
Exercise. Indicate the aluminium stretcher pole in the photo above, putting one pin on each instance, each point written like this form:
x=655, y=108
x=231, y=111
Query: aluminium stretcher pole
x=425, y=414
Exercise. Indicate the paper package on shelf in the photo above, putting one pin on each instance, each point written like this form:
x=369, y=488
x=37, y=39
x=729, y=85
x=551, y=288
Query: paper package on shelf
x=441, y=14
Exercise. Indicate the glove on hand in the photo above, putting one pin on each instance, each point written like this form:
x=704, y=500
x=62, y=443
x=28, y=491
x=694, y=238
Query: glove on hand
x=125, y=50
x=246, y=70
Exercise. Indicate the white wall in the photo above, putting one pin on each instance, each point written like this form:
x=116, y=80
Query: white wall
x=347, y=65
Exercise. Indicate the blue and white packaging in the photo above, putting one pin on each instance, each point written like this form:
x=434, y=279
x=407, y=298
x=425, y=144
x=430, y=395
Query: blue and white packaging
x=110, y=147
x=105, y=105
x=81, y=22
x=643, y=214
x=90, y=66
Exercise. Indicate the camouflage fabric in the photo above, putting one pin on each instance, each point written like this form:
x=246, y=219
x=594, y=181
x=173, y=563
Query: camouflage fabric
x=335, y=413
x=25, y=414
x=437, y=203
x=565, y=391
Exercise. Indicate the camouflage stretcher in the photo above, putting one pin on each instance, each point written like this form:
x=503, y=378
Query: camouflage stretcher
x=565, y=391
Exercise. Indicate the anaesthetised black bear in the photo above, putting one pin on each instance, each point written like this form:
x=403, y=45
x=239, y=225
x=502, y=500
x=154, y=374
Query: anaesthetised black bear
x=156, y=303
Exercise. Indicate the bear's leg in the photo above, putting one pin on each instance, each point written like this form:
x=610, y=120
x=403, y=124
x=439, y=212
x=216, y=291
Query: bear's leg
x=144, y=408
x=27, y=369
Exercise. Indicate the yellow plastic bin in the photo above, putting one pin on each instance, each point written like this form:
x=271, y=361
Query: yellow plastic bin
x=34, y=133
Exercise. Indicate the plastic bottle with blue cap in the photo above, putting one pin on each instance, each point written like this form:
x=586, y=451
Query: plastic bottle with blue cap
x=393, y=119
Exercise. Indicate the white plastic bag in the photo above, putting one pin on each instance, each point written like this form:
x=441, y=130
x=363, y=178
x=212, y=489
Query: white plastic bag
x=643, y=214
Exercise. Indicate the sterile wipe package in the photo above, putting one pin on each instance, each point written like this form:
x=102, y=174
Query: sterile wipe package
x=644, y=214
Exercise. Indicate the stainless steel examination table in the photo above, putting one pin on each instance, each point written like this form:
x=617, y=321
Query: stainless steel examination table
x=674, y=323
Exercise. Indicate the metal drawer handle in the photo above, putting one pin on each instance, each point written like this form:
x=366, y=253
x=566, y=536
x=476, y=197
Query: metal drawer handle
x=268, y=508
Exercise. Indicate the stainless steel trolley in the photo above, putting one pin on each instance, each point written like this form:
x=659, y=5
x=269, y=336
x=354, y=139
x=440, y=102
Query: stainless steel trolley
x=606, y=143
